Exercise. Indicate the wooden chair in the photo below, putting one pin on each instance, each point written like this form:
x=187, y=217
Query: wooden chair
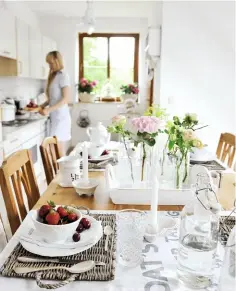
x=18, y=184
x=50, y=154
x=226, y=148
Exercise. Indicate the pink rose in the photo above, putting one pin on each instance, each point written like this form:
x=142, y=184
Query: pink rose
x=149, y=124
x=95, y=83
x=83, y=84
x=83, y=80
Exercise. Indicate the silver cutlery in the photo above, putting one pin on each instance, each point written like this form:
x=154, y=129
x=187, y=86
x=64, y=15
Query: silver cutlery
x=75, y=269
x=52, y=260
x=107, y=231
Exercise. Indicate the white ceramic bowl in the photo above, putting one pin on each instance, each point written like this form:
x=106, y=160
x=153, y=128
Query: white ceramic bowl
x=55, y=233
x=83, y=188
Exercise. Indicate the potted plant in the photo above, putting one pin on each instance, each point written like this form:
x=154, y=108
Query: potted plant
x=86, y=88
x=130, y=91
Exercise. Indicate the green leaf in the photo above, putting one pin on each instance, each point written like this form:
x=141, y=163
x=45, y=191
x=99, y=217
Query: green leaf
x=171, y=144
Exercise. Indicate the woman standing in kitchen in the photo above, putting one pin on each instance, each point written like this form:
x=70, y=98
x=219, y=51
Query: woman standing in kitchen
x=58, y=94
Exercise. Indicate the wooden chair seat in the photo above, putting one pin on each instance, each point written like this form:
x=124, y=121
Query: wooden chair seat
x=19, y=187
x=50, y=154
x=226, y=148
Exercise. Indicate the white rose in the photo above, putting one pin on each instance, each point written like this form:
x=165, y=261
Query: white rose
x=189, y=135
x=193, y=116
x=197, y=143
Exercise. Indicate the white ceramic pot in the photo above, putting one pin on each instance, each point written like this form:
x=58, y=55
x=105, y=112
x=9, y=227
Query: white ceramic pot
x=55, y=233
x=98, y=135
x=87, y=98
x=8, y=112
x=129, y=96
x=69, y=166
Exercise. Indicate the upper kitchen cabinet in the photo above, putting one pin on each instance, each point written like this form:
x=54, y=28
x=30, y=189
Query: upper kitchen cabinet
x=22, y=48
x=35, y=53
x=7, y=35
x=48, y=46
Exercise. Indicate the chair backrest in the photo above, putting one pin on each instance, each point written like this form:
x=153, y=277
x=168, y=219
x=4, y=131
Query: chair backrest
x=19, y=187
x=226, y=148
x=50, y=154
x=3, y=236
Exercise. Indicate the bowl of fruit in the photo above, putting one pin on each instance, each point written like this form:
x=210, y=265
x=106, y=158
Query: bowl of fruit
x=56, y=222
x=32, y=107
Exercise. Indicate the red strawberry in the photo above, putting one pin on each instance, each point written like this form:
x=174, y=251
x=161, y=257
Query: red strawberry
x=44, y=210
x=53, y=217
x=80, y=227
x=105, y=152
x=62, y=211
x=72, y=217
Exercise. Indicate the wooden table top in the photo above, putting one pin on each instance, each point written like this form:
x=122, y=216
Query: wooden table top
x=100, y=201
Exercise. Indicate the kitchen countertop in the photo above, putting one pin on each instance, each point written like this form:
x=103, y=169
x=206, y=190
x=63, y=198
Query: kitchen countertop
x=9, y=130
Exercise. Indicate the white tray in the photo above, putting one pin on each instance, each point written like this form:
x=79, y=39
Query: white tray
x=138, y=196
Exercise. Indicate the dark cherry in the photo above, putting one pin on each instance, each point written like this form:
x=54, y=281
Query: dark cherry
x=80, y=227
x=76, y=237
x=86, y=223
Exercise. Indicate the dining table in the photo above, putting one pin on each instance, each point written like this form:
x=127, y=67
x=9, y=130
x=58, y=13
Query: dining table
x=158, y=268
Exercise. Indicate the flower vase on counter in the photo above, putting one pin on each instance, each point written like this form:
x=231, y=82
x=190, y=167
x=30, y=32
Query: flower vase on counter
x=182, y=165
x=130, y=91
x=85, y=89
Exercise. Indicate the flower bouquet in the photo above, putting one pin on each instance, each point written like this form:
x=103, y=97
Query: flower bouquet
x=85, y=88
x=130, y=91
x=181, y=141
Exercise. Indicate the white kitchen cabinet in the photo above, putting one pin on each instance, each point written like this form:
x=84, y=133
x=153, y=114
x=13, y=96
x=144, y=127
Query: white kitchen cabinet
x=22, y=48
x=35, y=53
x=7, y=35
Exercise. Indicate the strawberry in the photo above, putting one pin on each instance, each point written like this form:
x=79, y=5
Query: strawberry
x=44, y=210
x=105, y=152
x=85, y=222
x=72, y=216
x=62, y=211
x=53, y=217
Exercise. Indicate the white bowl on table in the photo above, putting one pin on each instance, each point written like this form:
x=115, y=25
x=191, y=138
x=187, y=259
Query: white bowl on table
x=85, y=188
x=55, y=233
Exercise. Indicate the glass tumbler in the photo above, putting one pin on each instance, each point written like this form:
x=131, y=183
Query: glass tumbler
x=130, y=229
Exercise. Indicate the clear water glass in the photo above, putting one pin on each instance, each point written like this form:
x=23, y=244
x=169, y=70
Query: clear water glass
x=130, y=229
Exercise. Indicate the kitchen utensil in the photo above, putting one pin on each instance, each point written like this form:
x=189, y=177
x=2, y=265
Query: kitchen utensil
x=107, y=231
x=48, y=260
x=8, y=112
x=83, y=120
x=55, y=233
x=98, y=135
x=75, y=269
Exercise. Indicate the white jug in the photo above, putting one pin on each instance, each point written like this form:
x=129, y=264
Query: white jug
x=98, y=135
x=69, y=168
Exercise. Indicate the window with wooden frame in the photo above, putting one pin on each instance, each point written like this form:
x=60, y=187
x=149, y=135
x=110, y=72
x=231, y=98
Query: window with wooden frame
x=113, y=57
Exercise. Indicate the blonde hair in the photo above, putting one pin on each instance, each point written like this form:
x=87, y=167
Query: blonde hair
x=57, y=58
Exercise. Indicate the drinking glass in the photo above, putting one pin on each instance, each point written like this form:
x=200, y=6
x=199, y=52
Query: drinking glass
x=130, y=230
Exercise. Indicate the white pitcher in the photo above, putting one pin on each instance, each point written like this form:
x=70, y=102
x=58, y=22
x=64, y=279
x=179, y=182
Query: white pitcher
x=98, y=135
x=69, y=167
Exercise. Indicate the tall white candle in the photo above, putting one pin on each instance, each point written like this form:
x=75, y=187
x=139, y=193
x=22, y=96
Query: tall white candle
x=85, y=162
x=154, y=199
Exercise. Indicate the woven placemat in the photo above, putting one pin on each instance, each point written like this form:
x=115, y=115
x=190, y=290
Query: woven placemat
x=211, y=165
x=96, y=253
x=226, y=225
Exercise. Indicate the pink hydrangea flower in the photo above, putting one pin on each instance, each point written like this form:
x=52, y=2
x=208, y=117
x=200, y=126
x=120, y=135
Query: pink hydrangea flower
x=83, y=80
x=95, y=83
x=149, y=124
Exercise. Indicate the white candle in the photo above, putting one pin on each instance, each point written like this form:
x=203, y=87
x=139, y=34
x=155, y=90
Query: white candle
x=85, y=163
x=154, y=199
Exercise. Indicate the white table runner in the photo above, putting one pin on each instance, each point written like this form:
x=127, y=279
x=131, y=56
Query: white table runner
x=156, y=273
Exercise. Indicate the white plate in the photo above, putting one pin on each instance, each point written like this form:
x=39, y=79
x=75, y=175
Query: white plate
x=202, y=160
x=95, y=232
x=101, y=158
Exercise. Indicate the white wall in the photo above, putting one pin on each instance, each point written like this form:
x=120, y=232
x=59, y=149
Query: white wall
x=197, y=64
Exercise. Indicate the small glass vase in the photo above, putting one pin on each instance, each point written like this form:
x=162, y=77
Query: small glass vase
x=166, y=169
x=182, y=166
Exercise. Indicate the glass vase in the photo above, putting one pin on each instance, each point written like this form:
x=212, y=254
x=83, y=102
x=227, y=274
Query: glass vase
x=182, y=166
x=166, y=169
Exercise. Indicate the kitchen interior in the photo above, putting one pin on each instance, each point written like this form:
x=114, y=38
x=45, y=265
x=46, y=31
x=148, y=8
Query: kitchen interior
x=30, y=29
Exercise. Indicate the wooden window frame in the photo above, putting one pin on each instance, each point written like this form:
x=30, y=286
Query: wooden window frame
x=109, y=35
